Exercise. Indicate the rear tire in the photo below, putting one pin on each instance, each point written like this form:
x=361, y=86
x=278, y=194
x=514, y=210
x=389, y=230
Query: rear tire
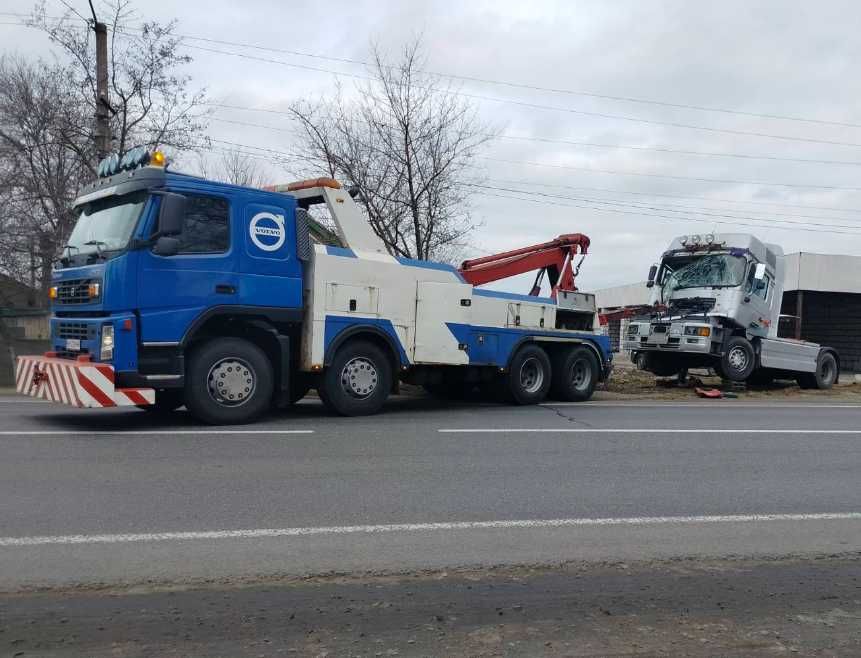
x=358, y=381
x=529, y=376
x=228, y=382
x=825, y=376
x=738, y=360
x=575, y=378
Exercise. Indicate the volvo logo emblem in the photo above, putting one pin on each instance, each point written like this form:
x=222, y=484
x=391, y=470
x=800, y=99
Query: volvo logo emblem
x=267, y=231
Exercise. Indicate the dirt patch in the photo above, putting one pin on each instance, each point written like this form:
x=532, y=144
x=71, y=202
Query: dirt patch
x=627, y=382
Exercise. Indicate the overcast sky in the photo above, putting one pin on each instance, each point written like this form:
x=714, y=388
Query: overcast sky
x=799, y=59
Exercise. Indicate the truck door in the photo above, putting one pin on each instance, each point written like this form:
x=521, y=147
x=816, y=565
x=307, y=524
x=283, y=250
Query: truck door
x=442, y=309
x=174, y=290
x=760, y=294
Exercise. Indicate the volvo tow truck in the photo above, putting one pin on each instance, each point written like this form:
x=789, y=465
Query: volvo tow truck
x=715, y=303
x=175, y=290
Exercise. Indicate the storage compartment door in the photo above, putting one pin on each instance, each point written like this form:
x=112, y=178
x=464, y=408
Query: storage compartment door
x=443, y=312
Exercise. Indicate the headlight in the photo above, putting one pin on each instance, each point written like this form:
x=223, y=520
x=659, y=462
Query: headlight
x=107, y=349
x=698, y=331
x=633, y=329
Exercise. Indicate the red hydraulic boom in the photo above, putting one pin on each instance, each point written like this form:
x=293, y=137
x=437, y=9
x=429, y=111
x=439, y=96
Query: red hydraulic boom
x=553, y=258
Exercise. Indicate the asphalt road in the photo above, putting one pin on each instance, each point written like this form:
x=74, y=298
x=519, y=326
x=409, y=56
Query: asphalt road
x=116, y=497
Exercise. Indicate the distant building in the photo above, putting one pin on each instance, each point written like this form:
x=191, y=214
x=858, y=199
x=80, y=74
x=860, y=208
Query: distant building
x=822, y=292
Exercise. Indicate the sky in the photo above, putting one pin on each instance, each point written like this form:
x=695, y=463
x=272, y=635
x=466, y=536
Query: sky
x=617, y=90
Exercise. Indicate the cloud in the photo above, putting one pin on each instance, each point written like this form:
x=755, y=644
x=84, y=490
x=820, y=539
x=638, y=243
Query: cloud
x=770, y=57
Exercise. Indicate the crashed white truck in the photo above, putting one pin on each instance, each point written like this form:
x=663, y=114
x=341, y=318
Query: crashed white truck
x=716, y=304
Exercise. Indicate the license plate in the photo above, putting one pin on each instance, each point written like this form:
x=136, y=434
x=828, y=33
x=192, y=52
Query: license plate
x=73, y=344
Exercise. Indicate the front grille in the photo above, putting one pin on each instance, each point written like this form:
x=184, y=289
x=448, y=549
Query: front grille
x=79, y=330
x=659, y=329
x=74, y=291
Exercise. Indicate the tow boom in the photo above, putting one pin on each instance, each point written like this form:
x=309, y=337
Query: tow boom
x=553, y=258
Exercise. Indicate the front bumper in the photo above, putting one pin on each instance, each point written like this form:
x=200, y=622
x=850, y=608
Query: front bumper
x=79, y=383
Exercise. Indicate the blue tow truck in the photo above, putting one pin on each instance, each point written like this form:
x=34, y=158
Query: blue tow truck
x=174, y=290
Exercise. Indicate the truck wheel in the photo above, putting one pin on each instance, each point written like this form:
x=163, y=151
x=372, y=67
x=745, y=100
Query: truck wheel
x=738, y=360
x=358, y=380
x=825, y=375
x=529, y=376
x=575, y=378
x=166, y=401
x=229, y=381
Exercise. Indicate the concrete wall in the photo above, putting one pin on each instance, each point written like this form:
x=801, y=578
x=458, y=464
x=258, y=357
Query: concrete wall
x=27, y=334
x=823, y=273
x=633, y=294
x=833, y=319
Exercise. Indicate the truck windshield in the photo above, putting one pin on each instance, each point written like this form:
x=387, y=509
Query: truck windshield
x=104, y=227
x=713, y=270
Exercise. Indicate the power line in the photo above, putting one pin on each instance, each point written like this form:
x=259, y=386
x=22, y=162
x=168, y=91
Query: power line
x=684, y=178
x=705, y=212
x=603, y=115
x=531, y=87
x=689, y=196
x=675, y=219
x=660, y=149
x=673, y=196
x=665, y=149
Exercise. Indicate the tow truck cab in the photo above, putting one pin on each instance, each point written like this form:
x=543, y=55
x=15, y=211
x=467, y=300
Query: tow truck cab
x=158, y=259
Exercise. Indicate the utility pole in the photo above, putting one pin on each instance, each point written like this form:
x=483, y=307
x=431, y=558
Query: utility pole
x=103, y=105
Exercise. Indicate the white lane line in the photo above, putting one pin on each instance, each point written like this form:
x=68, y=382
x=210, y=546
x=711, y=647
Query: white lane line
x=630, y=430
x=146, y=432
x=727, y=404
x=419, y=527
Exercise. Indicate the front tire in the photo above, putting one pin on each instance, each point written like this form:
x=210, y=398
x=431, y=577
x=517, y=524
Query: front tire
x=358, y=381
x=529, y=376
x=229, y=382
x=738, y=360
x=574, y=379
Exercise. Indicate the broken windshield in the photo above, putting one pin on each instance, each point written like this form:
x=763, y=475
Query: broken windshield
x=711, y=271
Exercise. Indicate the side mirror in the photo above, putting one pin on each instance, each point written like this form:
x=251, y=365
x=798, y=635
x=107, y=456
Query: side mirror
x=653, y=271
x=171, y=214
x=759, y=272
x=166, y=246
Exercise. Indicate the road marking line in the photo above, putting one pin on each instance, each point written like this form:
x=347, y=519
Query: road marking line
x=145, y=432
x=419, y=527
x=629, y=430
x=712, y=405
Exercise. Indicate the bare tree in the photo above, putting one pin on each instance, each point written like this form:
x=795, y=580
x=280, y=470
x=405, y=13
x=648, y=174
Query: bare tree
x=406, y=142
x=46, y=125
x=234, y=167
x=43, y=160
x=151, y=99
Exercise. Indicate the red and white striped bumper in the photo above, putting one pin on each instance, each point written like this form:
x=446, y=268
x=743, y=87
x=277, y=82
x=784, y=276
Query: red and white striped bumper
x=80, y=383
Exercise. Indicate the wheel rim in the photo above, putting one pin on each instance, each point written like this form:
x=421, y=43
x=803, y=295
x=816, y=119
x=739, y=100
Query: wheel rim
x=737, y=358
x=531, y=375
x=231, y=382
x=581, y=375
x=359, y=377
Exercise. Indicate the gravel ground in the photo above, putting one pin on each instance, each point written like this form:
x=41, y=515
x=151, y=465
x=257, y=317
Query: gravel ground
x=702, y=608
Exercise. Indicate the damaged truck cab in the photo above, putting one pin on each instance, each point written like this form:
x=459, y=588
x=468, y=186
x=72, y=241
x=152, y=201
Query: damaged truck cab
x=716, y=301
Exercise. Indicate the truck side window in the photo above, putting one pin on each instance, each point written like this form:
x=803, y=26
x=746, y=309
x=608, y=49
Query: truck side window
x=207, y=226
x=758, y=288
